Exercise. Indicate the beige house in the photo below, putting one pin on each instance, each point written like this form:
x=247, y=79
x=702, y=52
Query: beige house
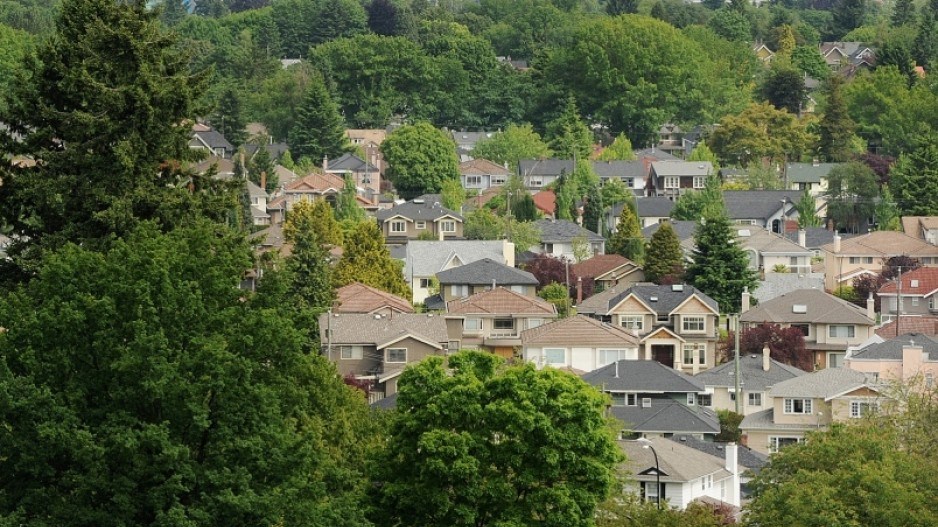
x=845, y=260
x=424, y=259
x=910, y=358
x=608, y=270
x=494, y=319
x=419, y=218
x=578, y=342
x=757, y=375
x=360, y=298
x=922, y=227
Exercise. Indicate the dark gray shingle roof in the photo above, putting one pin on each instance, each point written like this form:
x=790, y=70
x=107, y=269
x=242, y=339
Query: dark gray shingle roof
x=667, y=416
x=751, y=374
x=892, y=348
x=484, y=272
x=563, y=231
x=757, y=204
x=418, y=209
x=607, y=169
x=642, y=376
x=545, y=167
x=747, y=457
x=684, y=229
x=667, y=297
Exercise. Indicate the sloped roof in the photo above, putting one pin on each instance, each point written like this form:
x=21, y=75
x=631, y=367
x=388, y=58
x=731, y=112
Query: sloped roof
x=655, y=154
x=500, y=301
x=222, y=166
x=747, y=457
x=366, y=329
x=684, y=229
x=768, y=242
x=360, y=298
x=482, y=166
x=925, y=278
x=546, y=201
x=765, y=420
x=376, y=136
x=274, y=149
x=892, y=348
x=808, y=172
x=884, y=244
x=822, y=384
x=213, y=138
x=653, y=207
x=545, y=167
x=581, y=331
x=913, y=225
x=820, y=307
x=757, y=204
x=418, y=209
x=351, y=163
x=255, y=191
x=425, y=258
x=678, y=463
x=563, y=231
x=642, y=376
x=599, y=265
x=607, y=169
x=816, y=237
x=682, y=168
x=666, y=298
x=751, y=374
x=316, y=183
x=926, y=325
x=486, y=272
x=667, y=416
x=774, y=285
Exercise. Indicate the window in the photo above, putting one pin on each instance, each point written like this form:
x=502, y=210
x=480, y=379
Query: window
x=396, y=355
x=777, y=443
x=624, y=399
x=652, y=491
x=447, y=226
x=535, y=322
x=646, y=402
x=473, y=181
x=691, y=399
x=555, y=355
x=663, y=317
x=472, y=324
x=537, y=182
x=520, y=289
x=854, y=260
x=398, y=226
x=804, y=328
x=498, y=180
x=914, y=300
x=459, y=291
x=868, y=260
x=835, y=359
x=793, y=261
x=841, y=332
x=699, y=181
x=452, y=346
x=860, y=408
x=610, y=356
x=425, y=283
x=798, y=406
x=691, y=350
x=421, y=225
x=689, y=353
x=350, y=352
x=705, y=399
x=629, y=181
x=692, y=324
x=755, y=399
x=672, y=182
x=548, y=247
x=504, y=323
x=636, y=322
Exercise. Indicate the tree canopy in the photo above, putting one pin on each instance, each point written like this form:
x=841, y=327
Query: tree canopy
x=719, y=267
x=420, y=158
x=516, y=142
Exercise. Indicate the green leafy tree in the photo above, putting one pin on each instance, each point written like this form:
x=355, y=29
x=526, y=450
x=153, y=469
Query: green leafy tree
x=347, y=208
x=719, y=267
x=445, y=468
x=627, y=240
x=305, y=23
x=619, y=150
x=915, y=180
x=585, y=178
x=315, y=216
x=567, y=135
x=453, y=195
x=761, y=177
x=886, y=212
x=367, y=260
x=524, y=234
x=286, y=160
x=621, y=7
x=835, y=127
x=851, y=194
x=524, y=209
x=565, y=198
x=419, y=159
x=15, y=46
x=702, y=152
x=731, y=24
x=614, y=192
x=483, y=224
x=784, y=88
x=143, y=380
x=318, y=130
x=556, y=293
x=698, y=203
x=925, y=46
x=729, y=426
x=807, y=59
x=516, y=142
x=848, y=15
x=807, y=211
x=760, y=132
x=664, y=258
x=633, y=511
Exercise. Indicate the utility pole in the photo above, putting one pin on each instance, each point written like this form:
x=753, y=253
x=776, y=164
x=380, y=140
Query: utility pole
x=898, y=300
x=736, y=362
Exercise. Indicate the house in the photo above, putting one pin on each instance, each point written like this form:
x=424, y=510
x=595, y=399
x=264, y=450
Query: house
x=683, y=229
x=312, y=187
x=676, y=324
x=369, y=141
x=842, y=55
x=420, y=216
x=924, y=324
x=809, y=402
x=762, y=52
x=757, y=374
x=774, y=285
x=921, y=227
x=538, y=173
x=769, y=209
x=480, y=275
x=608, y=270
x=221, y=168
x=684, y=474
x=258, y=197
x=558, y=238
x=751, y=462
x=652, y=154
x=466, y=142
x=651, y=211
x=276, y=150
x=360, y=298
x=671, y=179
x=911, y=358
x=813, y=238
x=478, y=175
x=631, y=173
x=653, y=400
x=671, y=139
x=206, y=138
x=769, y=252
x=829, y=324
x=493, y=320
x=811, y=176
x=377, y=348
x=578, y=342
x=423, y=259
x=914, y=293
x=366, y=176
x=846, y=259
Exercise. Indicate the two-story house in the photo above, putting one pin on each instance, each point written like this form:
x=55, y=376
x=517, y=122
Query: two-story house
x=423, y=259
x=914, y=293
x=365, y=175
x=258, y=197
x=846, y=259
x=757, y=374
x=676, y=324
x=608, y=270
x=852, y=55
x=494, y=319
x=650, y=399
x=538, y=173
x=809, y=402
x=467, y=141
x=633, y=174
x=480, y=275
x=423, y=215
x=671, y=179
x=478, y=175
x=809, y=176
x=769, y=209
x=559, y=237
x=360, y=298
x=829, y=324
x=369, y=141
x=204, y=137
x=910, y=359
x=772, y=253
x=578, y=342
x=650, y=211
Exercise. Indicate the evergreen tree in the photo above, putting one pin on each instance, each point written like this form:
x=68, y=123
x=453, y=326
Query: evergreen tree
x=452, y=194
x=565, y=198
x=524, y=209
x=567, y=135
x=851, y=192
x=313, y=216
x=903, y=13
x=619, y=150
x=627, y=240
x=719, y=266
x=367, y=260
x=658, y=11
x=807, y=211
x=915, y=179
x=228, y=117
x=318, y=131
x=383, y=17
x=593, y=210
x=173, y=12
x=615, y=192
x=347, y=207
x=263, y=164
x=664, y=258
x=311, y=286
x=847, y=16
x=886, y=212
x=286, y=160
x=836, y=127
x=621, y=7
x=925, y=46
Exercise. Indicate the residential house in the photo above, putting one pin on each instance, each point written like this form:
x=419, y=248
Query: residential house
x=769, y=209
x=360, y=298
x=312, y=187
x=423, y=259
x=757, y=375
x=676, y=324
x=847, y=55
x=910, y=359
x=751, y=462
x=847, y=259
x=421, y=216
x=829, y=324
x=369, y=141
x=813, y=238
x=914, y=293
x=493, y=320
x=769, y=252
x=631, y=173
x=378, y=348
x=653, y=400
x=276, y=150
x=774, y=285
x=811, y=176
x=220, y=167
x=546, y=202
x=365, y=175
x=608, y=270
x=652, y=154
x=478, y=175
x=671, y=139
x=204, y=137
x=924, y=324
x=762, y=52
x=921, y=227
x=809, y=402
x=480, y=275
x=538, y=173
x=466, y=142
x=258, y=197
x=651, y=211
x=578, y=342
x=671, y=179
x=558, y=238
x=684, y=474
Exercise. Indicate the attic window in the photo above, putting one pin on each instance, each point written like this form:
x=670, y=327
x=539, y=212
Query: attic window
x=653, y=299
x=646, y=402
x=799, y=308
x=677, y=287
x=914, y=283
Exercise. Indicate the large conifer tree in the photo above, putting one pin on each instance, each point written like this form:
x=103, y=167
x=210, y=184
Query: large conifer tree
x=720, y=267
x=836, y=127
x=367, y=260
x=664, y=258
x=627, y=240
x=318, y=130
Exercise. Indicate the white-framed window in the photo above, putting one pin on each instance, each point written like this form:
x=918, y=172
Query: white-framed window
x=700, y=181
x=350, y=352
x=629, y=182
x=498, y=180
x=805, y=329
x=692, y=350
x=914, y=300
x=754, y=399
x=425, y=282
x=535, y=322
x=396, y=355
x=473, y=181
x=691, y=399
x=608, y=356
x=398, y=226
x=672, y=182
x=835, y=359
x=624, y=399
x=504, y=323
x=705, y=399
x=778, y=443
x=689, y=353
x=537, y=182
x=841, y=331
x=459, y=291
x=520, y=289
x=447, y=226
x=859, y=409
x=933, y=302
x=472, y=324
x=854, y=260
x=798, y=406
x=548, y=247
x=652, y=490
x=555, y=356
x=693, y=324
x=646, y=402
x=420, y=225
x=636, y=322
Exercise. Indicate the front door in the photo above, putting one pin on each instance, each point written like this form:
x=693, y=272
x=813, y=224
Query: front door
x=663, y=353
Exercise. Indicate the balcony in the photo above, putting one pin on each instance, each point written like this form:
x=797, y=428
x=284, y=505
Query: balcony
x=506, y=337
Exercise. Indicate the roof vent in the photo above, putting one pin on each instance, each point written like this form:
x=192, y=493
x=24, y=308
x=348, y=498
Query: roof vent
x=677, y=287
x=653, y=299
x=418, y=201
x=744, y=233
x=377, y=317
x=799, y=308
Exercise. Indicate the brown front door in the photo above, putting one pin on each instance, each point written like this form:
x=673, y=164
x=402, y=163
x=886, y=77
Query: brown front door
x=663, y=353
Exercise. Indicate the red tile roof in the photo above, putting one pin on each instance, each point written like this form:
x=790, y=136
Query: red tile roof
x=926, y=280
x=500, y=301
x=545, y=200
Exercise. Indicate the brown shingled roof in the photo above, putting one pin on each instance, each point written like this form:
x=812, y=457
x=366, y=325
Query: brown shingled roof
x=885, y=244
x=599, y=265
x=317, y=183
x=482, y=166
x=500, y=301
x=360, y=298
x=578, y=330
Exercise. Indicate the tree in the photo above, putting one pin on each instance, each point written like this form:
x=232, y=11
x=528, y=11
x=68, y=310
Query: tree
x=903, y=13
x=836, y=127
x=228, y=117
x=807, y=59
x=318, y=131
x=784, y=88
x=303, y=24
x=419, y=159
x=697, y=203
x=627, y=240
x=621, y=7
x=483, y=224
x=384, y=18
x=848, y=15
x=786, y=345
x=524, y=234
x=851, y=192
x=525, y=209
x=565, y=197
x=615, y=192
x=729, y=426
x=807, y=211
x=315, y=216
x=760, y=131
x=664, y=257
x=142, y=379
x=915, y=180
x=731, y=24
x=347, y=208
x=367, y=260
x=567, y=136
x=558, y=295
x=719, y=267
x=444, y=468
x=634, y=511
x=593, y=210
x=886, y=212
x=309, y=273
x=619, y=150
x=516, y=142
x=263, y=169
x=550, y=269
x=452, y=194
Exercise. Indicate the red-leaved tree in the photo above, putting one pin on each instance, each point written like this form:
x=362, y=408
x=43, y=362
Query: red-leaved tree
x=786, y=345
x=550, y=269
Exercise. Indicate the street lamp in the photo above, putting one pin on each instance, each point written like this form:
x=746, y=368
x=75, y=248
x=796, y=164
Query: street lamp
x=646, y=443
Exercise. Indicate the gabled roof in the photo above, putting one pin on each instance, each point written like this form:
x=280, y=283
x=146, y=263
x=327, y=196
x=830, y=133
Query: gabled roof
x=816, y=237
x=482, y=166
x=316, y=183
x=350, y=163
x=463, y=138
x=653, y=207
x=655, y=154
x=774, y=285
x=211, y=138
x=751, y=374
x=684, y=229
x=224, y=168
x=660, y=298
x=767, y=242
x=545, y=167
x=367, y=329
x=579, y=330
x=608, y=169
x=274, y=149
x=642, y=376
x=913, y=225
x=486, y=272
x=601, y=264
x=925, y=280
x=808, y=172
x=360, y=298
x=667, y=416
x=376, y=136
x=925, y=324
x=757, y=204
x=820, y=308
x=892, y=348
x=676, y=462
x=747, y=457
x=500, y=301
x=884, y=244
x=255, y=191
x=563, y=231
x=426, y=258
x=682, y=168
x=418, y=209
x=822, y=384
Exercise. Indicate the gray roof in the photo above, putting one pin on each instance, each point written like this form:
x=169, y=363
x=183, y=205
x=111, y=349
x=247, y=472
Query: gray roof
x=214, y=139
x=892, y=348
x=820, y=308
x=751, y=374
x=469, y=139
x=747, y=457
x=642, y=376
x=822, y=384
x=765, y=241
x=368, y=329
x=274, y=149
x=816, y=237
x=608, y=169
x=418, y=209
x=682, y=168
x=808, y=172
x=545, y=167
x=667, y=416
x=677, y=461
x=426, y=258
x=757, y=204
x=683, y=228
x=255, y=191
x=563, y=231
x=653, y=207
x=777, y=284
x=656, y=154
x=387, y=403
x=352, y=163
x=485, y=272
x=666, y=298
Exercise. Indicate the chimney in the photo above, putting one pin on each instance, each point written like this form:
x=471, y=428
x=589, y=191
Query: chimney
x=732, y=466
x=325, y=163
x=766, y=353
x=264, y=180
x=802, y=238
x=617, y=369
x=579, y=290
x=816, y=162
x=836, y=243
x=870, y=313
x=745, y=302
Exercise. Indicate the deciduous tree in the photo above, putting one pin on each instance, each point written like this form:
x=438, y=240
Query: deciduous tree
x=851, y=194
x=419, y=158
x=367, y=260
x=784, y=88
x=315, y=216
x=516, y=142
x=619, y=150
x=785, y=344
x=760, y=131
